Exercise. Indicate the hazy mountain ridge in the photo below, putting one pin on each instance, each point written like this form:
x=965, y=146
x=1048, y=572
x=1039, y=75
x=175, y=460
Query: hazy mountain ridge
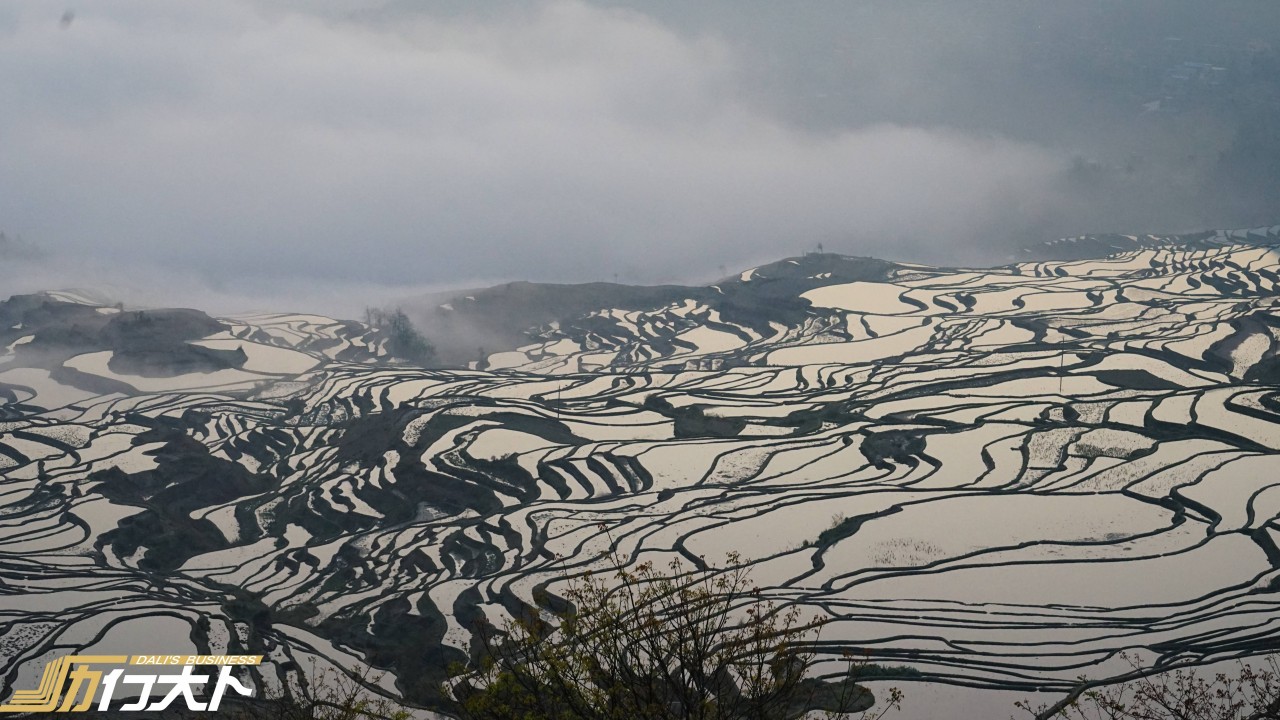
x=999, y=477
x=793, y=316
x=1082, y=247
x=473, y=323
x=468, y=325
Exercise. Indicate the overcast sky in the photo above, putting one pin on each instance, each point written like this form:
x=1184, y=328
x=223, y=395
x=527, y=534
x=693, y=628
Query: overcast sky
x=296, y=147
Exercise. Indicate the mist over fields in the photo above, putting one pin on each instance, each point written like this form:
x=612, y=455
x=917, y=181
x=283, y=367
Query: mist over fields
x=258, y=153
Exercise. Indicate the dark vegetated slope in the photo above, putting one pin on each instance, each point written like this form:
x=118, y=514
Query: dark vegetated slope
x=150, y=343
x=501, y=318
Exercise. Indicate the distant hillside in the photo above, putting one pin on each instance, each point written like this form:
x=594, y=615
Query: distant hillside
x=504, y=317
x=467, y=326
x=1083, y=247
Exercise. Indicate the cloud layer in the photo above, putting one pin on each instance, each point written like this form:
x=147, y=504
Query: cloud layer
x=555, y=141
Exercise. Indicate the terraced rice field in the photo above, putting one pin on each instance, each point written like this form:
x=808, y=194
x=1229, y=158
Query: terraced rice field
x=1000, y=478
